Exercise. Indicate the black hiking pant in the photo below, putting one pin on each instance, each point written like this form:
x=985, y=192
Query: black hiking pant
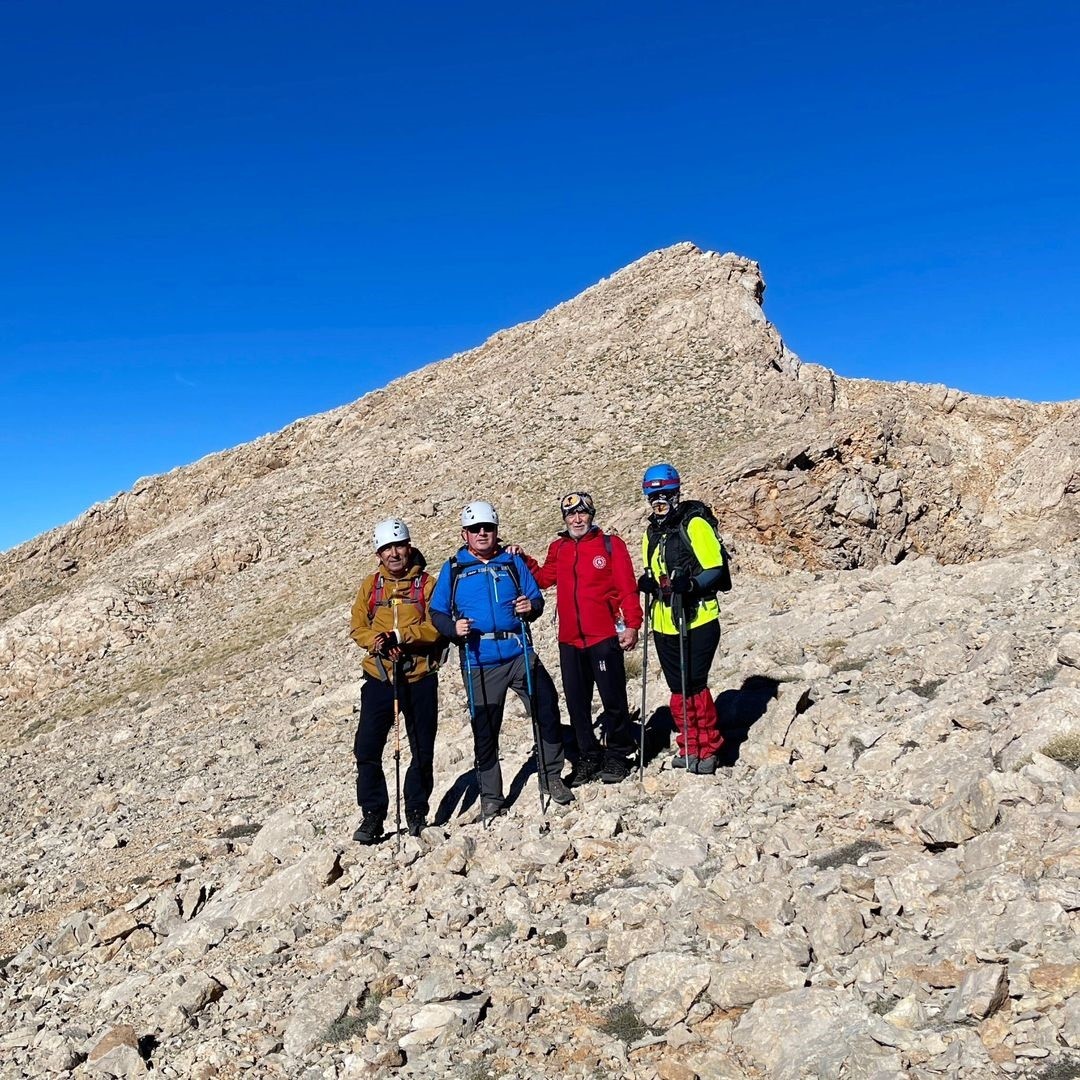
x=419, y=703
x=700, y=648
x=600, y=665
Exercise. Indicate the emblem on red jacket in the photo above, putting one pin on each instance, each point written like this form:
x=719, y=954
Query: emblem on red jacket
x=599, y=561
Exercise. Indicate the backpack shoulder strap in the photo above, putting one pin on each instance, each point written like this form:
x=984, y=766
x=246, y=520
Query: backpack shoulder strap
x=375, y=599
x=691, y=509
x=684, y=534
x=513, y=570
x=419, y=583
x=455, y=569
x=704, y=511
x=416, y=593
x=653, y=538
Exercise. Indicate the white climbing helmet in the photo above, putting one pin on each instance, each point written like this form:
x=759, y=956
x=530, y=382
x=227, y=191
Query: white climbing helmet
x=391, y=531
x=479, y=513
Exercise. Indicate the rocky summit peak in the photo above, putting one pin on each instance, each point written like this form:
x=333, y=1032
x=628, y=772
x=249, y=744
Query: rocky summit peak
x=880, y=879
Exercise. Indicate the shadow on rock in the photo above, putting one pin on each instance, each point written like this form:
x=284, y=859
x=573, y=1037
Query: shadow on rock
x=738, y=710
x=528, y=766
x=517, y=785
x=658, y=731
x=464, y=790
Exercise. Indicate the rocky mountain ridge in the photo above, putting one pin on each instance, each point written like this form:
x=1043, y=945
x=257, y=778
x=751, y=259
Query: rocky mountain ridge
x=882, y=881
x=671, y=356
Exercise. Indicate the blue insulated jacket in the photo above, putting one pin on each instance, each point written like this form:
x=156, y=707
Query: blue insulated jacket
x=485, y=593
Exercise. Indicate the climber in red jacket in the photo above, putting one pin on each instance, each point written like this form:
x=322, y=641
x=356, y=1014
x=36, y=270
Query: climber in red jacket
x=599, y=618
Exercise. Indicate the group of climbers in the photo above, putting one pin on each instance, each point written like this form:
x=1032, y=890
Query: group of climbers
x=484, y=600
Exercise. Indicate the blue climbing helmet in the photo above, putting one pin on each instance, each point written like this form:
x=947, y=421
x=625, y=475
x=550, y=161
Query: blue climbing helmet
x=660, y=480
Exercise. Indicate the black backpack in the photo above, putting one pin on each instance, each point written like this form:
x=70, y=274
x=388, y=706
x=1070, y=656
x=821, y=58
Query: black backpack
x=687, y=511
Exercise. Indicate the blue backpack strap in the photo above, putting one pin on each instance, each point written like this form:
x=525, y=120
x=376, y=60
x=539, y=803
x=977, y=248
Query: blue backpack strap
x=456, y=571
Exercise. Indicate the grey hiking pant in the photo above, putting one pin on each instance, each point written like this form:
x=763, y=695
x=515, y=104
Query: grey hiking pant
x=489, y=687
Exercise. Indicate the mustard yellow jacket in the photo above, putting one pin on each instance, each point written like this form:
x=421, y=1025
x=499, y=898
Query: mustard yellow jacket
x=398, y=609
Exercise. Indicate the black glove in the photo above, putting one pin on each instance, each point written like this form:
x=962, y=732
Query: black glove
x=389, y=641
x=682, y=583
x=647, y=584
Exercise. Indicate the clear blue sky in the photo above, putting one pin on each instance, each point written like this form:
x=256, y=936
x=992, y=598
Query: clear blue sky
x=220, y=217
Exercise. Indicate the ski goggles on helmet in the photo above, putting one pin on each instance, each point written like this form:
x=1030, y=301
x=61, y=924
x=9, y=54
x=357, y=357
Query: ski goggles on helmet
x=577, y=501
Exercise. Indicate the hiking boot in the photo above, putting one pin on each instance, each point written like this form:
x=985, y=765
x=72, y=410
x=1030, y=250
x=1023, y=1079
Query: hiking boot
x=370, y=830
x=491, y=806
x=705, y=766
x=584, y=772
x=416, y=821
x=616, y=769
x=684, y=761
x=558, y=791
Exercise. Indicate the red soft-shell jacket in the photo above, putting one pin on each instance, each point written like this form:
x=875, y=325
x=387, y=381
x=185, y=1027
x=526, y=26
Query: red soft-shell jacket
x=592, y=586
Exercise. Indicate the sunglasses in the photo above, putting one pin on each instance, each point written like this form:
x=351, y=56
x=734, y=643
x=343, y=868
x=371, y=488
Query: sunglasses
x=474, y=529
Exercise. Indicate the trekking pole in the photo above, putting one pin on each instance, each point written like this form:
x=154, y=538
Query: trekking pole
x=681, y=620
x=472, y=724
x=644, y=677
x=541, y=767
x=397, y=736
x=397, y=753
